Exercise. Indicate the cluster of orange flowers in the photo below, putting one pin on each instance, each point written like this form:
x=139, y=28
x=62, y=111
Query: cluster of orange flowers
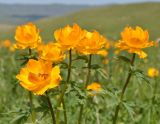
x=39, y=75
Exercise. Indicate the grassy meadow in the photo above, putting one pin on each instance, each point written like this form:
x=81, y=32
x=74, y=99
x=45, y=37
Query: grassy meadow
x=138, y=106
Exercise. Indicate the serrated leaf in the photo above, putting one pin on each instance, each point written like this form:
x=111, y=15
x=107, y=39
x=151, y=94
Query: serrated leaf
x=129, y=108
x=19, y=119
x=139, y=74
x=43, y=102
x=107, y=92
x=69, y=89
x=103, y=74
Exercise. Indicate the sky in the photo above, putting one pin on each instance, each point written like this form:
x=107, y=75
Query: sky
x=90, y=2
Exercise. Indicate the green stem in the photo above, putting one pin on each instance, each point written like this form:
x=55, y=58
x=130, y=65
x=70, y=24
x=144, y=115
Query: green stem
x=31, y=106
x=69, y=66
x=30, y=97
x=51, y=108
x=30, y=51
x=86, y=83
x=153, y=99
x=64, y=109
x=61, y=100
x=123, y=91
x=154, y=91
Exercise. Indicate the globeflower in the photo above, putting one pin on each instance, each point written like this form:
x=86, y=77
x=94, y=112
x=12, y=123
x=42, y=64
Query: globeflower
x=153, y=72
x=92, y=43
x=94, y=88
x=134, y=40
x=51, y=52
x=103, y=53
x=68, y=37
x=27, y=36
x=6, y=43
x=39, y=76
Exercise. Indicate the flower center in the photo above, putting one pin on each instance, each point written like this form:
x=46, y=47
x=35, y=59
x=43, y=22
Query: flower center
x=37, y=78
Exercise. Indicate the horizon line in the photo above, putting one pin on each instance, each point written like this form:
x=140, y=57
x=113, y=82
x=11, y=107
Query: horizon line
x=86, y=4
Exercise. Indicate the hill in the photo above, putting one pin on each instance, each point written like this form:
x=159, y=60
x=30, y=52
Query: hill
x=20, y=13
x=109, y=20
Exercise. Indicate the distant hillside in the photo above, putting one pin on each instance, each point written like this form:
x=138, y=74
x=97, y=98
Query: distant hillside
x=17, y=13
x=109, y=20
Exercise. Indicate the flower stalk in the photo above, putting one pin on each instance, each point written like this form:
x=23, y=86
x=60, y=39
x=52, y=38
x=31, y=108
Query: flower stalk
x=61, y=100
x=31, y=106
x=86, y=83
x=31, y=97
x=123, y=90
x=51, y=108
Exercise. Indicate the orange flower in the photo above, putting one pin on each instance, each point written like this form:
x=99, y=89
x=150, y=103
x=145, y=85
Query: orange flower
x=91, y=44
x=6, y=43
x=134, y=40
x=39, y=76
x=51, y=52
x=27, y=36
x=153, y=72
x=94, y=86
x=102, y=53
x=69, y=37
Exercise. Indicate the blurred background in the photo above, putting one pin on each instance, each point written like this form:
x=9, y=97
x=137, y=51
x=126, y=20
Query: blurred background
x=107, y=16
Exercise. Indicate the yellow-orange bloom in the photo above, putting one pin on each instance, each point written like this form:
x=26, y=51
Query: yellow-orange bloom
x=102, y=53
x=6, y=43
x=153, y=72
x=27, y=36
x=94, y=86
x=92, y=43
x=134, y=40
x=51, y=52
x=69, y=37
x=39, y=76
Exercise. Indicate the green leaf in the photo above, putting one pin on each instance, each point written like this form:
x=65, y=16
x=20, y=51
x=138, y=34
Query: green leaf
x=85, y=58
x=64, y=65
x=69, y=89
x=80, y=92
x=123, y=58
x=24, y=62
x=107, y=92
x=129, y=108
x=95, y=66
x=19, y=119
x=43, y=102
x=141, y=76
x=103, y=74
